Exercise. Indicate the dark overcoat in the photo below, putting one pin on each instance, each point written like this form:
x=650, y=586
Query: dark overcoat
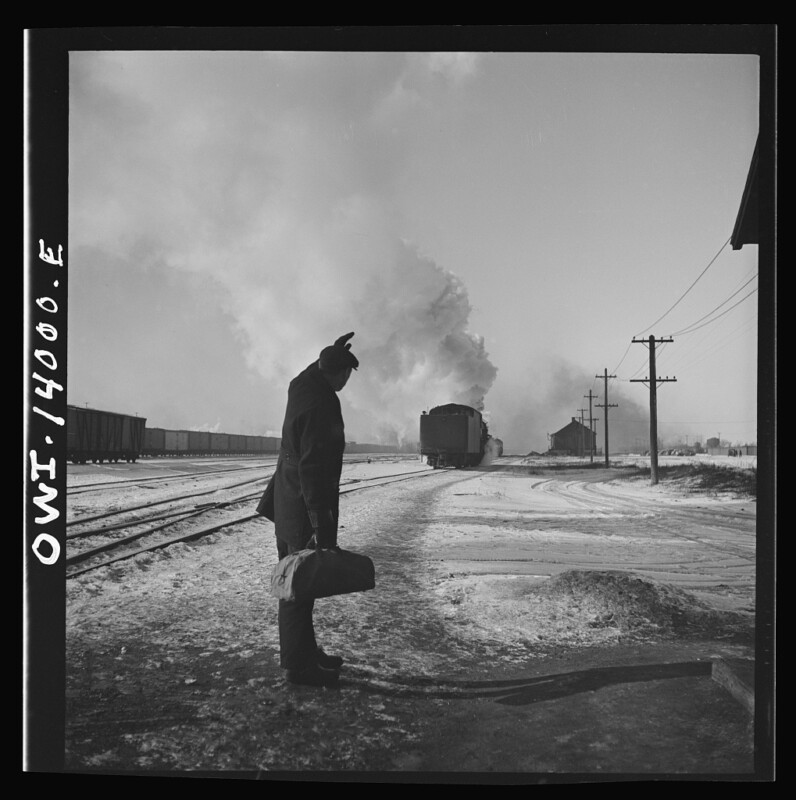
x=307, y=477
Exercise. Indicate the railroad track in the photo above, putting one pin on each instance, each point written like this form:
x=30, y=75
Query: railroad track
x=266, y=461
x=176, y=499
x=100, y=486
x=101, y=546
x=171, y=500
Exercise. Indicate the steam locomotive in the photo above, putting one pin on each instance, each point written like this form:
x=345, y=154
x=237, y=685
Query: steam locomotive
x=453, y=435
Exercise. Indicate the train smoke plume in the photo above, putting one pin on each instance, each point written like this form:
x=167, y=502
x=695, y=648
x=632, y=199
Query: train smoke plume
x=554, y=397
x=254, y=190
x=410, y=319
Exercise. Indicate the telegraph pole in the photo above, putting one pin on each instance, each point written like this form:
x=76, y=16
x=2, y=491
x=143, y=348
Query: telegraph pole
x=606, y=405
x=653, y=380
x=592, y=420
x=582, y=429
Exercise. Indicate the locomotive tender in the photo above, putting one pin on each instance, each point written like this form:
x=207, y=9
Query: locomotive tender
x=453, y=435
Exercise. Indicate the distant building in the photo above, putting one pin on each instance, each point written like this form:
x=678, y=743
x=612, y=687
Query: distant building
x=574, y=439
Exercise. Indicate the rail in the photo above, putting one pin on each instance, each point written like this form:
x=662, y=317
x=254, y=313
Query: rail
x=184, y=515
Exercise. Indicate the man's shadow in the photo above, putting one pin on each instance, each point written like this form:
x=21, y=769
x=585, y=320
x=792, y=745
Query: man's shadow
x=520, y=692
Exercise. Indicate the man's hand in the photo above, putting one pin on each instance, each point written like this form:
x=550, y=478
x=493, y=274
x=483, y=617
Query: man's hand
x=325, y=527
x=343, y=339
x=325, y=539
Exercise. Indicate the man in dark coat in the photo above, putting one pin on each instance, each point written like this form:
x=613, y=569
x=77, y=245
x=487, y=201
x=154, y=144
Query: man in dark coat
x=305, y=489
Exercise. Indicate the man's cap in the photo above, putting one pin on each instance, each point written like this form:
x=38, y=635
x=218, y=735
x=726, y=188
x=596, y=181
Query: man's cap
x=338, y=356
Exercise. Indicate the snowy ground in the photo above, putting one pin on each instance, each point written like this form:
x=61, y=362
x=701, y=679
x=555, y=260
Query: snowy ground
x=637, y=561
x=473, y=567
x=496, y=535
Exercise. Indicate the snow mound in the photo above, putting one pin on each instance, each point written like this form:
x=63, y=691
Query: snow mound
x=632, y=603
x=520, y=616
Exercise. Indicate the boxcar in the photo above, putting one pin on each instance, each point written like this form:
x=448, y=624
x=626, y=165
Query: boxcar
x=237, y=443
x=94, y=435
x=165, y=442
x=253, y=444
x=198, y=443
x=452, y=435
x=176, y=443
x=272, y=444
x=154, y=441
x=219, y=443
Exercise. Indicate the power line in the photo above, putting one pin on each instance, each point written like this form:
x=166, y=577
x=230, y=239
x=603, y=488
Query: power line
x=688, y=329
x=696, y=327
x=688, y=289
x=620, y=361
x=698, y=354
x=710, y=336
x=643, y=365
x=717, y=307
x=696, y=421
x=638, y=370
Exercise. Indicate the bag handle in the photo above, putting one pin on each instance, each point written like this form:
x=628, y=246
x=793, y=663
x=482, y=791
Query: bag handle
x=312, y=544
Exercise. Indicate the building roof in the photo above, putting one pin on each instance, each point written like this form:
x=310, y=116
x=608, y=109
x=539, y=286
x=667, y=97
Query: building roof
x=745, y=230
x=574, y=425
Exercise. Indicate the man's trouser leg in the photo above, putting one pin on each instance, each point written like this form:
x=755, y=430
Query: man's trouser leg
x=297, y=645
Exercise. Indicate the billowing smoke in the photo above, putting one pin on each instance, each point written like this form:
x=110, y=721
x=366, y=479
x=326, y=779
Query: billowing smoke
x=414, y=347
x=410, y=319
x=553, y=395
x=491, y=452
x=275, y=179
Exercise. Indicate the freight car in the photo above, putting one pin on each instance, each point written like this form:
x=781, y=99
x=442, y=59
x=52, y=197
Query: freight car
x=94, y=435
x=154, y=441
x=219, y=443
x=163, y=442
x=453, y=435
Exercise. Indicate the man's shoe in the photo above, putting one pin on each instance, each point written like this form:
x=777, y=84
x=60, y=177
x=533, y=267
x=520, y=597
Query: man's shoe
x=329, y=662
x=314, y=675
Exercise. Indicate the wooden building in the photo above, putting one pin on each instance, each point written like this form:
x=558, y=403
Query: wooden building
x=746, y=223
x=574, y=439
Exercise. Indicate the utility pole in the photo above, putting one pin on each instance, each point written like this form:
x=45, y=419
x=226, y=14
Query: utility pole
x=592, y=420
x=653, y=380
x=606, y=405
x=582, y=435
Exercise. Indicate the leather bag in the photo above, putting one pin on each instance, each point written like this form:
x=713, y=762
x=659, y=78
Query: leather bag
x=322, y=573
